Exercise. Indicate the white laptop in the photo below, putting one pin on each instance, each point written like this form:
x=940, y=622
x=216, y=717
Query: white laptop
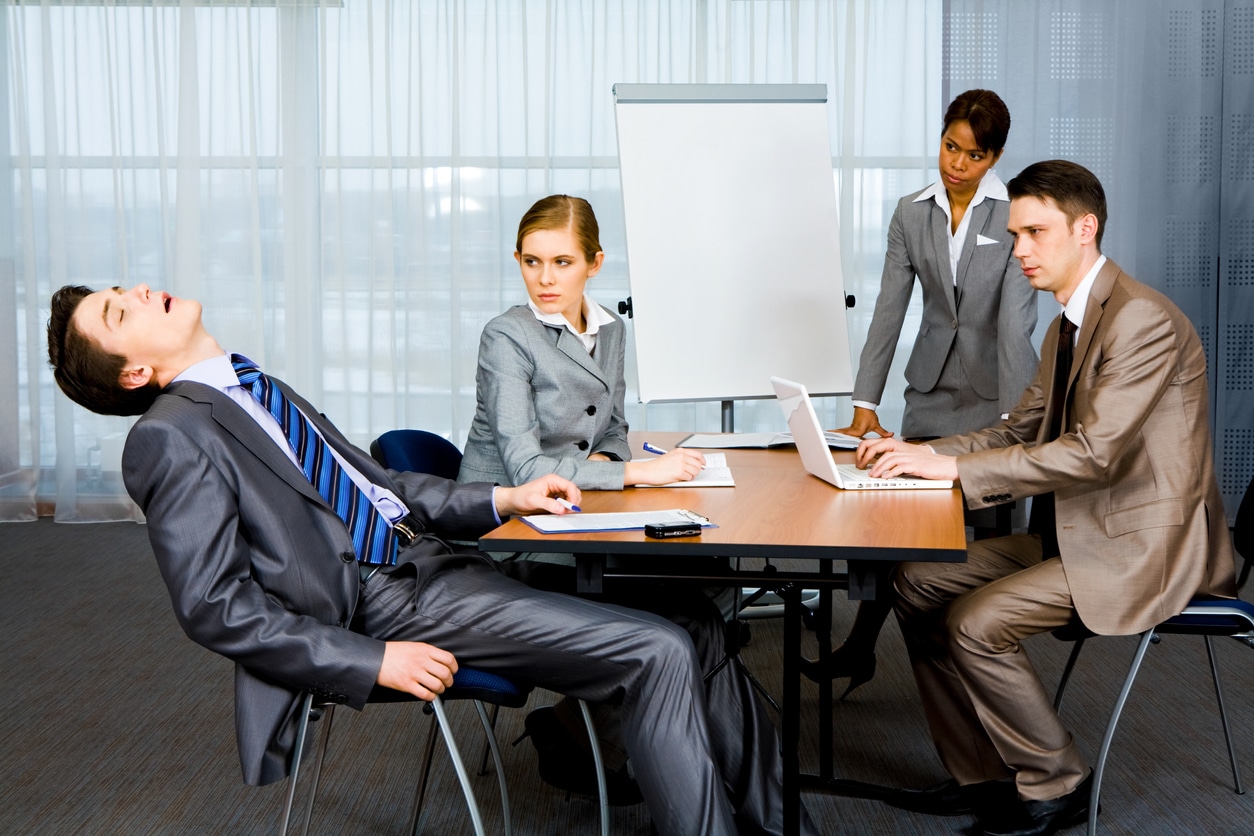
x=817, y=458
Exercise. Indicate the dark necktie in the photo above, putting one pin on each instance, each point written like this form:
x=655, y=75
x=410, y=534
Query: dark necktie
x=373, y=539
x=1043, y=519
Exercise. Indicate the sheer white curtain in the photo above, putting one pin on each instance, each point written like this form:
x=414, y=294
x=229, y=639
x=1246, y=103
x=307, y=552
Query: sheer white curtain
x=340, y=184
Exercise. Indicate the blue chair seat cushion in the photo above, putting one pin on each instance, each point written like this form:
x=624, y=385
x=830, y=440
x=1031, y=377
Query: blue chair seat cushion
x=1216, y=616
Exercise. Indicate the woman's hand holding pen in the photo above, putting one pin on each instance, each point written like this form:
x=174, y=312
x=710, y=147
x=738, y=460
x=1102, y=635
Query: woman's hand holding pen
x=678, y=465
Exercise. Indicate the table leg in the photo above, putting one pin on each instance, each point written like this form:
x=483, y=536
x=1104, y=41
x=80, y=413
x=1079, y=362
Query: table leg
x=590, y=574
x=790, y=725
x=823, y=631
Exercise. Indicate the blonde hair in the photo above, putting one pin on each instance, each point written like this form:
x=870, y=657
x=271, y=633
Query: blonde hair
x=559, y=211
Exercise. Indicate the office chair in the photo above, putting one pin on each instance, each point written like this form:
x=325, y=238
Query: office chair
x=420, y=451
x=1207, y=617
x=468, y=683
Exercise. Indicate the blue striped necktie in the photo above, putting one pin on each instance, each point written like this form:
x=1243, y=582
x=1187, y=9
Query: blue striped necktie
x=373, y=538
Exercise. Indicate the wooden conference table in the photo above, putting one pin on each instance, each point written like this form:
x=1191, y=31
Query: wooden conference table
x=778, y=511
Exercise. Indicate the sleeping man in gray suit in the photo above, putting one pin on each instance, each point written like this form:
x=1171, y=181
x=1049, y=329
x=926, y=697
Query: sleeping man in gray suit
x=263, y=570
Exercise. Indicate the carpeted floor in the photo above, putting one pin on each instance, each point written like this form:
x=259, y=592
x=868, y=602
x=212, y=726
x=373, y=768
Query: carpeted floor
x=115, y=723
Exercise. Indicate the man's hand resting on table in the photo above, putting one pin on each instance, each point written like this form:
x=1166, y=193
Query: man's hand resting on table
x=539, y=496
x=416, y=668
x=889, y=457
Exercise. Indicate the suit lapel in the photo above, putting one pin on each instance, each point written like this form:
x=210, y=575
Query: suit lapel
x=1098, y=294
x=976, y=226
x=940, y=252
x=248, y=432
x=570, y=345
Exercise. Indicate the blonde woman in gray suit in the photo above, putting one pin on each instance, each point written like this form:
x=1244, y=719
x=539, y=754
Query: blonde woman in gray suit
x=973, y=356
x=550, y=399
x=550, y=386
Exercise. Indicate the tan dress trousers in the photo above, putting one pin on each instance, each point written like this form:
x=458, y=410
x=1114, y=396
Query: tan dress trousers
x=963, y=623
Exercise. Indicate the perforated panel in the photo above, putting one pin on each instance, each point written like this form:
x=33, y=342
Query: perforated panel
x=1193, y=43
x=1240, y=47
x=1190, y=253
x=1088, y=141
x=974, y=50
x=1239, y=144
x=1240, y=357
x=1206, y=334
x=1236, y=466
x=1192, y=149
x=1078, y=45
x=1240, y=253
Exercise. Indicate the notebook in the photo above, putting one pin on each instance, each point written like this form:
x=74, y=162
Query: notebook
x=817, y=458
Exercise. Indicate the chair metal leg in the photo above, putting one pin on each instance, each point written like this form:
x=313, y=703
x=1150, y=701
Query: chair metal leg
x=317, y=775
x=1066, y=674
x=302, y=727
x=496, y=760
x=462, y=775
x=602, y=790
x=483, y=758
x=420, y=793
x=1100, y=766
x=1223, y=715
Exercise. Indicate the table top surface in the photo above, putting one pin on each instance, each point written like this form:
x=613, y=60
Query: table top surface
x=777, y=509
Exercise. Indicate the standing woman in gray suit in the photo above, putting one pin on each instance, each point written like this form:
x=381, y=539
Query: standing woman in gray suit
x=973, y=356
x=550, y=399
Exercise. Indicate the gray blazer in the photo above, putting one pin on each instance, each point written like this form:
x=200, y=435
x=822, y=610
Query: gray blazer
x=985, y=322
x=544, y=404
x=259, y=567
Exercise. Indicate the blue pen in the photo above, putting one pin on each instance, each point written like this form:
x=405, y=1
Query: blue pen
x=649, y=448
x=566, y=504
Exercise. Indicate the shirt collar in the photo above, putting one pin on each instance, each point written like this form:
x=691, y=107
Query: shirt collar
x=990, y=187
x=216, y=372
x=1079, y=301
x=594, y=316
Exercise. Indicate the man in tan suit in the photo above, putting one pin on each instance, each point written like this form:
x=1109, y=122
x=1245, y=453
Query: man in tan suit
x=1120, y=449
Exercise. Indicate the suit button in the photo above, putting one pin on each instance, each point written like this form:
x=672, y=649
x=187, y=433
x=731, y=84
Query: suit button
x=341, y=699
x=348, y=557
x=592, y=410
x=582, y=445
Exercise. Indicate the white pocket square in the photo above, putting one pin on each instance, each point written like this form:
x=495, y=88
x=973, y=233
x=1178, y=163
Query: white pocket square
x=980, y=240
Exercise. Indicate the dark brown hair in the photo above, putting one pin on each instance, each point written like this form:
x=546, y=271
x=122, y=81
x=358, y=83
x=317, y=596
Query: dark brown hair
x=86, y=373
x=987, y=115
x=1073, y=188
x=559, y=211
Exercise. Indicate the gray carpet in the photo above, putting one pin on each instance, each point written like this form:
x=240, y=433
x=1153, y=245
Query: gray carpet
x=115, y=722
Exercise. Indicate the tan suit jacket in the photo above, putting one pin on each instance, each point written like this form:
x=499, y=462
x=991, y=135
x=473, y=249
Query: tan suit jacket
x=1141, y=525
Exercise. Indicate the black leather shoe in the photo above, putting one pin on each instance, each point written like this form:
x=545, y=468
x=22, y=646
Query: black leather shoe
x=569, y=766
x=986, y=799
x=1043, y=818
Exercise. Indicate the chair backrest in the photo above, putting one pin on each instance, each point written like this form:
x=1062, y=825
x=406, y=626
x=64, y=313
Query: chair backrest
x=1243, y=533
x=418, y=451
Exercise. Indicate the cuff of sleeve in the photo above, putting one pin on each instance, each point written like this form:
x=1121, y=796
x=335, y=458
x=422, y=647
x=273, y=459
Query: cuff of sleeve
x=495, y=515
x=867, y=405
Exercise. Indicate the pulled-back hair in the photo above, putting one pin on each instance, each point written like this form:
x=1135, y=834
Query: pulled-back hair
x=559, y=211
x=1073, y=188
x=86, y=373
x=987, y=115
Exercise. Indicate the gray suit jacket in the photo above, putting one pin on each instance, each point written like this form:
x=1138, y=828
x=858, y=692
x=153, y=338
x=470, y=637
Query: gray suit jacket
x=544, y=405
x=986, y=321
x=259, y=567
x=1141, y=524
